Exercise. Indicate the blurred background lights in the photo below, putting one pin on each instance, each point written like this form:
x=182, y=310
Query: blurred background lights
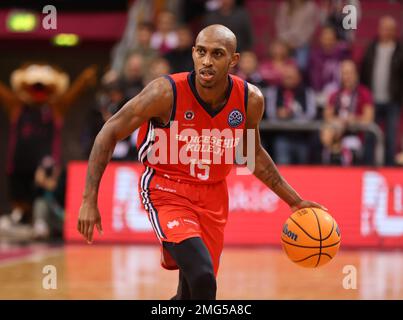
x=21, y=21
x=66, y=40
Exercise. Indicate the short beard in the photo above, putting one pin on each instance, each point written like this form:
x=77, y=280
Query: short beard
x=206, y=86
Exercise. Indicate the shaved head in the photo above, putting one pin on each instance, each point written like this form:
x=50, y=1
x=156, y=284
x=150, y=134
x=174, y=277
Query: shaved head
x=218, y=33
x=214, y=55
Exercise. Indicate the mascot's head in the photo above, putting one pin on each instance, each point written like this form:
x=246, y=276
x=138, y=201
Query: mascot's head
x=38, y=83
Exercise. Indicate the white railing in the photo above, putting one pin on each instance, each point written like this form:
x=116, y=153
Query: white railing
x=299, y=125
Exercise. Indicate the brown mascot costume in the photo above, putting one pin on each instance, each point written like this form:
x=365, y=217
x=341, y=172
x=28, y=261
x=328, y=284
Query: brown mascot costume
x=36, y=105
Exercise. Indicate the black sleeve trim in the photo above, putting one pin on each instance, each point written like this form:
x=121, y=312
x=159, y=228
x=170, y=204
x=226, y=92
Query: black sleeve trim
x=173, y=110
x=246, y=94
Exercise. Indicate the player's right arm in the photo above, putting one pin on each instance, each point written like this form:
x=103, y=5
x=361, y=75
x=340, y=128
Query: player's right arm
x=154, y=102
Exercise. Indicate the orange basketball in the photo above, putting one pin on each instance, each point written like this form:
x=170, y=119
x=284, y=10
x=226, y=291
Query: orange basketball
x=310, y=237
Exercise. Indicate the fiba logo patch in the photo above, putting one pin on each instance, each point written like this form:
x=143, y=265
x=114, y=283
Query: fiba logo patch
x=189, y=115
x=235, y=118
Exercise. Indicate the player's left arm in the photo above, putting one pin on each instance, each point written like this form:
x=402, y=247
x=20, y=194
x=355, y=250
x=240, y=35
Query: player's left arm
x=265, y=168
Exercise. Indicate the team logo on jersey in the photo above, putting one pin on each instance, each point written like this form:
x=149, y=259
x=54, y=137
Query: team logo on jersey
x=189, y=115
x=235, y=118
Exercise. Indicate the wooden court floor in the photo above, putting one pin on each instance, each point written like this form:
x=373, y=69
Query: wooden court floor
x=134, y=272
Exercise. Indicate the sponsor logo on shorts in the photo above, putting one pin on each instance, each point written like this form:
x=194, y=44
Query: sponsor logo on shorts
x=172, y=224
x=157, y=186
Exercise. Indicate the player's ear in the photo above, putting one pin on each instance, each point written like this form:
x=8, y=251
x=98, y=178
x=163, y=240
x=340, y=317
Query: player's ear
x=234, y=59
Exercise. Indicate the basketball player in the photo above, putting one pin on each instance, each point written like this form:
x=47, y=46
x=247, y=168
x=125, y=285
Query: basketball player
x=187, y=204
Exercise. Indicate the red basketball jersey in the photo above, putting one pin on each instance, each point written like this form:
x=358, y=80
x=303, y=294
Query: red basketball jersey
x=198, y=144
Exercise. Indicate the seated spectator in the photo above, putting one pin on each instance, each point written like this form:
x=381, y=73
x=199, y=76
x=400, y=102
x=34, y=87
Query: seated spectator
x=235, y=18
x=292, y=101
x=248, y=69
x=142, y=43
x=110, y=100
x=159, y=67
x=133, y=74
x=350, y=104
x=296, y=21
x=180, y=59
x=137, y=13
x=272, y=69
x=165, y=39
x=382, y=71
x=324, y=64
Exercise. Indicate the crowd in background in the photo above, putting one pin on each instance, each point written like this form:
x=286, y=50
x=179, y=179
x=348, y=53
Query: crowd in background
x=303, y=81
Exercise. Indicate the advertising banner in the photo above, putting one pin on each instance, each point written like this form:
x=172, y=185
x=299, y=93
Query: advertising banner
x=366, y=203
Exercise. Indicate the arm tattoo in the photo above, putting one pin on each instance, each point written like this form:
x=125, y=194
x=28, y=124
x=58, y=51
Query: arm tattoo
x=265, y=168
x=267, y=172
x=100, y=155
x=271, y=177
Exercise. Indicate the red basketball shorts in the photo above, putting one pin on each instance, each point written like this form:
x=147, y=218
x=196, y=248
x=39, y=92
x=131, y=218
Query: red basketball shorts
x=179, y=211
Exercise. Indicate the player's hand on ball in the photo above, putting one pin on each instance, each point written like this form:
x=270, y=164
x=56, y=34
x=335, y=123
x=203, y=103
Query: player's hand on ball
x=307, y=204
x=88, y=218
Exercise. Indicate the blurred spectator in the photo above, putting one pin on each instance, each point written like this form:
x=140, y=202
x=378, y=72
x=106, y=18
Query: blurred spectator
x=143, y=43
x=234, y=18
x=48, y=207
x=110, y=100
x=133, y=74
x=139, y=10
x=159, y=67
x=332, y=15
x=292, y=101
x=296, y=21
x=140, y=44
x=248, y=69
x=272, y=69
x=350, y=104
x=180, y=59
x=165, y=39
x=324, y=64
x=382, y=71
x=193, y=12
